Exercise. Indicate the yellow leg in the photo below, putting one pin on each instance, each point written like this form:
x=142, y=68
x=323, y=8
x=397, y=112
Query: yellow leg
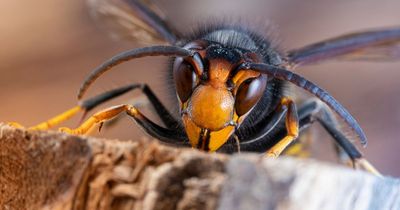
x=100, y=117
x=299, y=149
x=53, y=121
x=292, y=127
x=85, y=106
x=367, y=166
x=57, y=119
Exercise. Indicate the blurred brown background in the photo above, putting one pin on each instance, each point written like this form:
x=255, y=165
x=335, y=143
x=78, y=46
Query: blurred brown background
x=47, y=48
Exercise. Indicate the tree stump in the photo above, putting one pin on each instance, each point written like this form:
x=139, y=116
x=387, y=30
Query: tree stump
x=52, y=170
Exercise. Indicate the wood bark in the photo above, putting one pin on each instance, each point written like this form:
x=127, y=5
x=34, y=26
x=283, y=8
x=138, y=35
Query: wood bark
x=51, y=170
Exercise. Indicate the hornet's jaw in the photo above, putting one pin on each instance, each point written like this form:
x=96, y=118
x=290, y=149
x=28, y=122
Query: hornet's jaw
x=205, y=139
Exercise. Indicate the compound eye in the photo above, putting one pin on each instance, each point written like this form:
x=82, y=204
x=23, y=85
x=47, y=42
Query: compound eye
x=185, y=79
x=249, y=93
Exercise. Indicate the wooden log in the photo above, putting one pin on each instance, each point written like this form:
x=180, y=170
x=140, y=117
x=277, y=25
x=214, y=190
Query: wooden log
x=290, y=184
x=51, y=170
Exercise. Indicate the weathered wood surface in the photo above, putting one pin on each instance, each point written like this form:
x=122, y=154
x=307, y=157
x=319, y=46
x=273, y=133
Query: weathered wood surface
x=49, y=170
x=289, y=184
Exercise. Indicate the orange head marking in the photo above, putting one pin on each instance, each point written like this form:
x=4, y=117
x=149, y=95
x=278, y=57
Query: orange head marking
x=215, y=99
x=218, y=72
x=211, y=107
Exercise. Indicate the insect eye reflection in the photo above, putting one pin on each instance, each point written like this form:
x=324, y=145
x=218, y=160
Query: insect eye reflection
x=249, y=93
x=185, y=79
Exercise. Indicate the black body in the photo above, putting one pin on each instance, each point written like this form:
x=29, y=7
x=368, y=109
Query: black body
x=265, y=125
x=261, y=117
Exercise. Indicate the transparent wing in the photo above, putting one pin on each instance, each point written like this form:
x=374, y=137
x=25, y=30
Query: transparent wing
x=379, y=45
x=389, y=51
x=139, y=21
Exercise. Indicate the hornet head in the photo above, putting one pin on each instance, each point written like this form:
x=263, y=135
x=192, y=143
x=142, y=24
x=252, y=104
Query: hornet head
x=214, y=96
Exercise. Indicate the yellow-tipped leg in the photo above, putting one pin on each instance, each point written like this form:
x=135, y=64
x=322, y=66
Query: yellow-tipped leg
x=15, y=125
x=97, y=118
x=85, y=106
x=292, y=127
x=52, y=122
x=57, y=119
x=367, y=166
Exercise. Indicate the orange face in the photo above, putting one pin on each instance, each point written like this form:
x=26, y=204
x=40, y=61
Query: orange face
x=214, y=98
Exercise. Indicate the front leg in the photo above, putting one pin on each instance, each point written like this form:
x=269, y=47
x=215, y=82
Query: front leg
x=84, y=106
x=292, y=128
x=168, y=136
